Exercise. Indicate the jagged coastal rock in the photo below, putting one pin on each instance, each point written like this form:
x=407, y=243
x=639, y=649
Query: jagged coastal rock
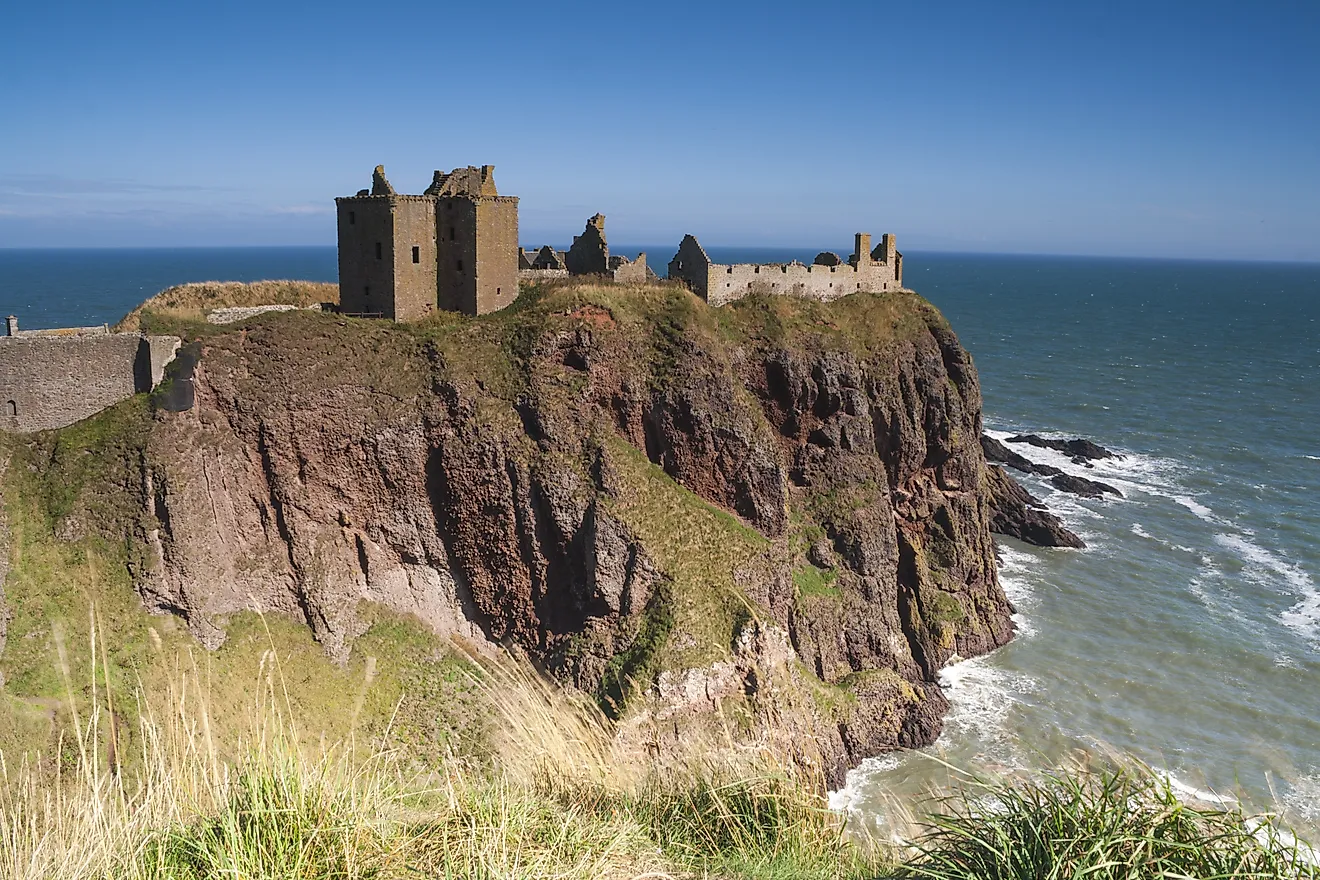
x=1018, y=514
x=1077, y=447
x=999, y=453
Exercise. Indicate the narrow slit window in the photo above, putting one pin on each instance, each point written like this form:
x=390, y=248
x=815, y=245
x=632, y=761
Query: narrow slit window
x=417, y=254
x=458, y=264
x=451, y=234
x=378, y=250
x=352, y=218
x=11, y=408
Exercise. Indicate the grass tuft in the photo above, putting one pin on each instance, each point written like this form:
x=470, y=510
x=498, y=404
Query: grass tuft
x=1124, y=823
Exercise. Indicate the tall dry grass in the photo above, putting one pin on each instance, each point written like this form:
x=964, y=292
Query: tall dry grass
x=157, y=796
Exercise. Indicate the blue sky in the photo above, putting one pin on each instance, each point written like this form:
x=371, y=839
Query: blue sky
x=1149, y=129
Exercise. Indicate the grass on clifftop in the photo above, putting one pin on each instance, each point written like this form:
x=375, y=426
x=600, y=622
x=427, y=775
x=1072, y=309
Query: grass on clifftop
x=191, y=302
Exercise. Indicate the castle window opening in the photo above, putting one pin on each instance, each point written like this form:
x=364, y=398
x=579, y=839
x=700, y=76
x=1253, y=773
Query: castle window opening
x=417, y=254
x=452, y=236
x=11, y=409
x=458, y=264
x=352, y=218
x=366, y=292
x=378, y=250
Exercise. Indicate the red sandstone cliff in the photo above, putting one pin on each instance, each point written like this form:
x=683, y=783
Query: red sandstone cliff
x=771, y=502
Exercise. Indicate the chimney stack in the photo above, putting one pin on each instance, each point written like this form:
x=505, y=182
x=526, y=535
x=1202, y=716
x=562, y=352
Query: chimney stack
x=11, y=325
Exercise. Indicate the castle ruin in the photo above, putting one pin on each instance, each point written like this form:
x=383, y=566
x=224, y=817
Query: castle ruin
x=589, y=255
x=828, y=277
x=453, y=248
x=53, y=378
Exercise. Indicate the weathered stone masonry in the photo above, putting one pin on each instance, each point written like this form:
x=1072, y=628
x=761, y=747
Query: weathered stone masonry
x=829, y=277
x=455, y=247
x=589, y=255
x=53, y=378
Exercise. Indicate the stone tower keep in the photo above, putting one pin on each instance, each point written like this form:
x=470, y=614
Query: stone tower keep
x=455, y=247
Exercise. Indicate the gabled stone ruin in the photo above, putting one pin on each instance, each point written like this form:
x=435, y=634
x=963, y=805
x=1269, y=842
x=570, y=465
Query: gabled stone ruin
x=829, y=277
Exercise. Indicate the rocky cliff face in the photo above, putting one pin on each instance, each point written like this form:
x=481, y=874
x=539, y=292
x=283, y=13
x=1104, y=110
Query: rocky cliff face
x=669, y=505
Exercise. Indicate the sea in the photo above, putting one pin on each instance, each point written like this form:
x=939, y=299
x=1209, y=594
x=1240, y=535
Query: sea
x=1185, y=636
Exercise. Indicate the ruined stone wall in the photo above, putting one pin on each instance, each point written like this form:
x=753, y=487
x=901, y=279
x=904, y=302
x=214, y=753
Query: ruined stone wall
x=728, y=283
x=366, y=261
x=497, y=253
x=628, y=271
x=415, y=292
x=532, y=276
x=52, y=381
x=590, y=253
x=719, y=284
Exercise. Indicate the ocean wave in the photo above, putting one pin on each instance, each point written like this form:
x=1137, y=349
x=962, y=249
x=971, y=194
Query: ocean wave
x=1014, y=566
x=1187, y=791
x=1302, y=797
x=850, y=798
x=1269, y=569
x=1140, y=532
x=981, y=697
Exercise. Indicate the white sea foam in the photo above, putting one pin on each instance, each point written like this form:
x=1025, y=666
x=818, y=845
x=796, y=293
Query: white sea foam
x=981, y=697
x=1303, y=797
x=850, y=798
x=1313, y=457
x=1140, y=532
x=1014, y=566
x=1196, y=507
x=1270, y=569
x=1188, y=791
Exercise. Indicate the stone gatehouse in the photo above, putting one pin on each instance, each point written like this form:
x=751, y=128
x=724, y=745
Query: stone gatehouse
x=53, y=378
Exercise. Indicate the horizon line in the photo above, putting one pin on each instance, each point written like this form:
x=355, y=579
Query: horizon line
x=627, y=246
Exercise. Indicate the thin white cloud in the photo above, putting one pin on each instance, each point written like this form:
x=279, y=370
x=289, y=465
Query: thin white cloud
x=58, y=185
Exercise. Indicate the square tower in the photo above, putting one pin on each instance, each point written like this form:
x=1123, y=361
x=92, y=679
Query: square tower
x=476, y=233
x=454, y=247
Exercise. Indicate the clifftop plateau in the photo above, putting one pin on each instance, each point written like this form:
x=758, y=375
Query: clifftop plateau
x=775, y=509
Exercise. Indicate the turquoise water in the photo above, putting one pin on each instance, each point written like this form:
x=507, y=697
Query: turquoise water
x=1188, y=633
